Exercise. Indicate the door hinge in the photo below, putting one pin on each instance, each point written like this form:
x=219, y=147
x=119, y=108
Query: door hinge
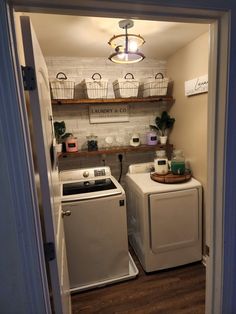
x=49, y=251
x=207, y=250
x=28, y=75
x=122, y=202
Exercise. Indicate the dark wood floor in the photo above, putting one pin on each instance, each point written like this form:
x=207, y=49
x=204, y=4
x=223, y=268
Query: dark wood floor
x=176, y=291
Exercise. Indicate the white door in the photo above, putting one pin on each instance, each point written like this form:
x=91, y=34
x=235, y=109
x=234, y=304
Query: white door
x=40, y=115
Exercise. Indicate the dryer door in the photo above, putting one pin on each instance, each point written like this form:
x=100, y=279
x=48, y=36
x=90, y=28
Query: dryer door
x=175, y=220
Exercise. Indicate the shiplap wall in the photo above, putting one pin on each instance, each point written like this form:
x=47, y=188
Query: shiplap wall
x=76, y=117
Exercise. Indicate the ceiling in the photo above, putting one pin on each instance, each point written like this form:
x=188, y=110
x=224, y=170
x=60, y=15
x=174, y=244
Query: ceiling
x=77, y=36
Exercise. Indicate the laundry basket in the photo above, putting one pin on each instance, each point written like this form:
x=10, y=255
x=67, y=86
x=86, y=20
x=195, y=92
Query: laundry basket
x=95, y=87
x=61, y=88
x=126, y=87
x=155, y=86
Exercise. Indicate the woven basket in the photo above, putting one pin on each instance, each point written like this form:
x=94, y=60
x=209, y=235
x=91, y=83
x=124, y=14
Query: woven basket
x=155, y=87
x=61, y=88
x=126, y=87
x=95, y=87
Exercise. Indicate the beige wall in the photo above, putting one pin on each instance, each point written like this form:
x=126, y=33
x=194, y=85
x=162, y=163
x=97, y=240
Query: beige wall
x=190, y=129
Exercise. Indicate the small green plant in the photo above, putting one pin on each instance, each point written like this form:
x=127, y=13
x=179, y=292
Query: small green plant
x=60, y=129
x=163, y=124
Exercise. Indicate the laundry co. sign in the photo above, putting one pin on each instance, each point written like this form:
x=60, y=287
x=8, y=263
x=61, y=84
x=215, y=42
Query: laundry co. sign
x=108, y=113
x=196, y=86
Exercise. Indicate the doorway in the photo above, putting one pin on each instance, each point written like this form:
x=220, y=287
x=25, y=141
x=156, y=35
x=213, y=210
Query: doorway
x=193, y=135
x=212, y=108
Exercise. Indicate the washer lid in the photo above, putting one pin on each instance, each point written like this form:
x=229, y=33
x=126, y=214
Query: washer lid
x=80, y=187
x=77, y=190
x=148, y=186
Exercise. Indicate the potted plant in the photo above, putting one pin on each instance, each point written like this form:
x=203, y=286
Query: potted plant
x=163, y=125
x=60, y=129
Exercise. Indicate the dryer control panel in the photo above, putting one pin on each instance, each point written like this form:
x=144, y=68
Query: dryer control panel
x=142, y=167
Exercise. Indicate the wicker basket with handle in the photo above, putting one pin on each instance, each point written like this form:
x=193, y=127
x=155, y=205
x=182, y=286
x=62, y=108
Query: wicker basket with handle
x=155, y=86
x=62, y=88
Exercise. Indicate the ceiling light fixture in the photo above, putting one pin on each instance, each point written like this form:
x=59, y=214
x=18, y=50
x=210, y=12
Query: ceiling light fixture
x=126, y=45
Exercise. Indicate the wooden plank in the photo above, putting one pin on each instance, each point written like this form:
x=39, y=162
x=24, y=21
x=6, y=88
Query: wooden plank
x=111, y=100
x=171, y=178
x=118, y=149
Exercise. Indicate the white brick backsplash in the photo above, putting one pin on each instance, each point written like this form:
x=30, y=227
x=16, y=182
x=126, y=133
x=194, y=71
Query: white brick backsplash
x=110, y=160
x=137, y=124
x=76, y=117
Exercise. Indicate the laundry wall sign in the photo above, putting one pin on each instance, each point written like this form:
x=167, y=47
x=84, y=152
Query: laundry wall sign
x=108, y=113
x=196, y=86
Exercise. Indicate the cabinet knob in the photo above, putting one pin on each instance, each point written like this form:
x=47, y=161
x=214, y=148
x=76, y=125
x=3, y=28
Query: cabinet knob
x=85, y=174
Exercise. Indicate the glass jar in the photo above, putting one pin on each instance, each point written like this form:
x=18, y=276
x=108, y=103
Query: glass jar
x=161, y=153
x=161, y=162
x=178, y=162
x=92, y=142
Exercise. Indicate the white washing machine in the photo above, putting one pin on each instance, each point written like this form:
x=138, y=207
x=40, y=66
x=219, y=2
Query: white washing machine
x=95, y=223
x=164, y=220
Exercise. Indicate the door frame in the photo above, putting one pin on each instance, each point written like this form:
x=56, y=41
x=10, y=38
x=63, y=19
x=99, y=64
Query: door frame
x=218, y=72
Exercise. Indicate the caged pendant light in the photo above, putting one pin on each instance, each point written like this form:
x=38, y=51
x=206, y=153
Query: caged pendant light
x=126, y=45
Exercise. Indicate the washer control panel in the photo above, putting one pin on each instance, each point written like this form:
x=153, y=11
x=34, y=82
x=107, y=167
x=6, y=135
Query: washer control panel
x=100, y=172
x=86, y=173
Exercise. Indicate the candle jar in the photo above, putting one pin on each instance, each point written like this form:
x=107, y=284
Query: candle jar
x=152, y=138
x=178, y=162
x=92, y=143
x=71, y=144
x=135, y=140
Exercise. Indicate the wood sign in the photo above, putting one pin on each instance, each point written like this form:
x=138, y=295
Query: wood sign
x=196, y=86
x=108, y=113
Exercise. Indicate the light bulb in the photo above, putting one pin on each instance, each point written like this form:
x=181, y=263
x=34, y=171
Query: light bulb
x=133, y=46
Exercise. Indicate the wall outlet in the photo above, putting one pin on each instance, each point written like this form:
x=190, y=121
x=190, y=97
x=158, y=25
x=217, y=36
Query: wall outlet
x=120, y=157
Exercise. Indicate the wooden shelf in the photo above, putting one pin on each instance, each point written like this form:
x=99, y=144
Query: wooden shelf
x=111, y=100
x=119, y=149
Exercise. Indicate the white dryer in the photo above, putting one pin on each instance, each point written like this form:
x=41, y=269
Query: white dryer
x=164, y=220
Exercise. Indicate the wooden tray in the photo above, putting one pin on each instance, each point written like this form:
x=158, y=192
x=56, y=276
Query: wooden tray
x=170, y=178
